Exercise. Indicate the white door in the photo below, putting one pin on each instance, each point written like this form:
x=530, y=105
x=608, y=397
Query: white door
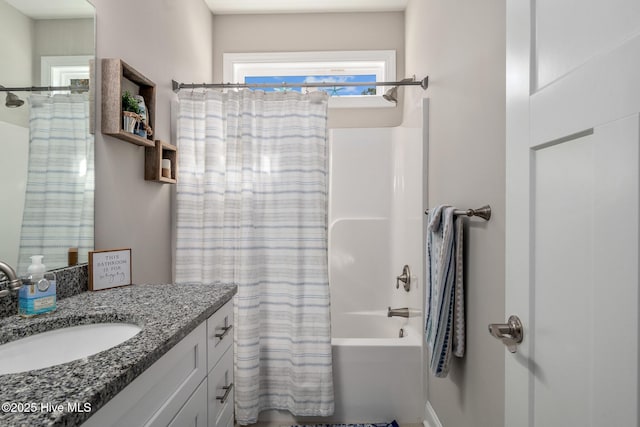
x=573, y=133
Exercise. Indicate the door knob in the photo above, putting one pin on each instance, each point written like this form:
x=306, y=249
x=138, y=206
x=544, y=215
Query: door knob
x=509, y=333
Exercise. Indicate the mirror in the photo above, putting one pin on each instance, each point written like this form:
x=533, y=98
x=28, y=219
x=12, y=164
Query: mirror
x=46, y=164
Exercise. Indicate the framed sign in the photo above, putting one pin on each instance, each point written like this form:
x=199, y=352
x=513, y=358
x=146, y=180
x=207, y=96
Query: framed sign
x=109, y=269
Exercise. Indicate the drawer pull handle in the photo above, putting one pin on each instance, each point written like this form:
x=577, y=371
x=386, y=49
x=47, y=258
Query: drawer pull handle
x=225, y=331
x=227, y=389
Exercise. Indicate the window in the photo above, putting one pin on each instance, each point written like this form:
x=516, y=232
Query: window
x=65, y=71
x=327, y=67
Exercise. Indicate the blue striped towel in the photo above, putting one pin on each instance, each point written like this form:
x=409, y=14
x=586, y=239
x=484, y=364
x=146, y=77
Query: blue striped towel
x=444, y=307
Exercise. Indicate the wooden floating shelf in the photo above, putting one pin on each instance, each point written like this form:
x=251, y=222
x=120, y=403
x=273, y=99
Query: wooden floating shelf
x=117, y=77
x=153, y=162
x=132, y=138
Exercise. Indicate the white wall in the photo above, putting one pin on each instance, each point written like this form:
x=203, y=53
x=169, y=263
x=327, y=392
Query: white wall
x=162, y=40
x=178, y=41
x=16, y=46
x=14, y=131
x=13, y=175
x=317, y=32
x=61, y=37
x=460, y=44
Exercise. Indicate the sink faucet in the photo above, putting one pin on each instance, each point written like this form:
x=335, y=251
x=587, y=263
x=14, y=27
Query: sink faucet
x=12, y=277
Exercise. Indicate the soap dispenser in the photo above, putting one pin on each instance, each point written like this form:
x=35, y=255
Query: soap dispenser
x=38, y=294
x=36, y=269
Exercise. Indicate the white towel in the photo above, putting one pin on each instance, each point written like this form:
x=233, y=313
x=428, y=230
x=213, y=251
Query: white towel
x=444, y=306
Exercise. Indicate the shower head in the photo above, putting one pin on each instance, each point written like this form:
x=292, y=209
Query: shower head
x=391, y=95
x=13, y=101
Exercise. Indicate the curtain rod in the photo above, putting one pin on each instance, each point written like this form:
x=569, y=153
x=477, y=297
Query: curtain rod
x=424, y=83
x=42, y=88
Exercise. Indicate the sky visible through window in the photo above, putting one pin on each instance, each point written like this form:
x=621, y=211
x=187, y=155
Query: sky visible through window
x=335, y=91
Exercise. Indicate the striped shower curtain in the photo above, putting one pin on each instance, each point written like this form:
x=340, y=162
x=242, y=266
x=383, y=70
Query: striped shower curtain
x=252, y=210
x=58, y=208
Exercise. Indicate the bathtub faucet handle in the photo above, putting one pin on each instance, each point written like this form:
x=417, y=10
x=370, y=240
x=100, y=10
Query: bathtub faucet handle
x=405, y=278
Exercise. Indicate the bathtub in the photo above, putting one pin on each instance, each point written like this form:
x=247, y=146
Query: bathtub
x=377, y=376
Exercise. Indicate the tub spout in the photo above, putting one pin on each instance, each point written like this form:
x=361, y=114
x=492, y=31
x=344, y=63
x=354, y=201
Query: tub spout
x=398, y=312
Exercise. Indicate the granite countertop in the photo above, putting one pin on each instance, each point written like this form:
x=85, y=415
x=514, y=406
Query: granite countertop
x=166, y=313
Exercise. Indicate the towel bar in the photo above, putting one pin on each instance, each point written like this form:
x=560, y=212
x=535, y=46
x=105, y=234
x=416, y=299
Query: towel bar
x=483, y=212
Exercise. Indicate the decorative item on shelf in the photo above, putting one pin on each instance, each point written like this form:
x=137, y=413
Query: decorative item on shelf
x=166, y=168
x=142, y=127
x=130, y=112
x=73, y=256
x=161, y=163
x=117, y=78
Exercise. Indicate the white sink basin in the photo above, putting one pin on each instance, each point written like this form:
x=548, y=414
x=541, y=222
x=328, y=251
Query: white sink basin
x=62, y=345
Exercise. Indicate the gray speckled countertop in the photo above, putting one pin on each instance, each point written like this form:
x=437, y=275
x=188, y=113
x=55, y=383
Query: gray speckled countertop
x=166, y=313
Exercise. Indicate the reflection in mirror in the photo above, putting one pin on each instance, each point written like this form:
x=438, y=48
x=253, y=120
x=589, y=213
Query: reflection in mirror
x=46, y=165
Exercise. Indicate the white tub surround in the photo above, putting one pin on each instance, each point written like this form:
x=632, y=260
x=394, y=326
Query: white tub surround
x=375, y=229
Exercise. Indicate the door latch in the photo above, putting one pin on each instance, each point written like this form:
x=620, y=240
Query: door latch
x=510, y=333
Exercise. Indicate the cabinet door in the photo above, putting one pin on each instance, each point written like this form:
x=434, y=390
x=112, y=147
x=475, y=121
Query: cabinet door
x=220, y=400
x=194, y=412
x=157, y=394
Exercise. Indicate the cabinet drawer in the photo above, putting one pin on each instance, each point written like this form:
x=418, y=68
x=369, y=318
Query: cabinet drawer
x=230, y=421
x=221, y=392
x=219, y=334
x=194, y=412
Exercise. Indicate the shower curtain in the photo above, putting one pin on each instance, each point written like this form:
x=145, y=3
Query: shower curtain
x=252, y=210
x=58, y=208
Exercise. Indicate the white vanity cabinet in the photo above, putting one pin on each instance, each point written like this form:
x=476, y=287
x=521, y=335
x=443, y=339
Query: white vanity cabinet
x=185, y=387
x=220, y=367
